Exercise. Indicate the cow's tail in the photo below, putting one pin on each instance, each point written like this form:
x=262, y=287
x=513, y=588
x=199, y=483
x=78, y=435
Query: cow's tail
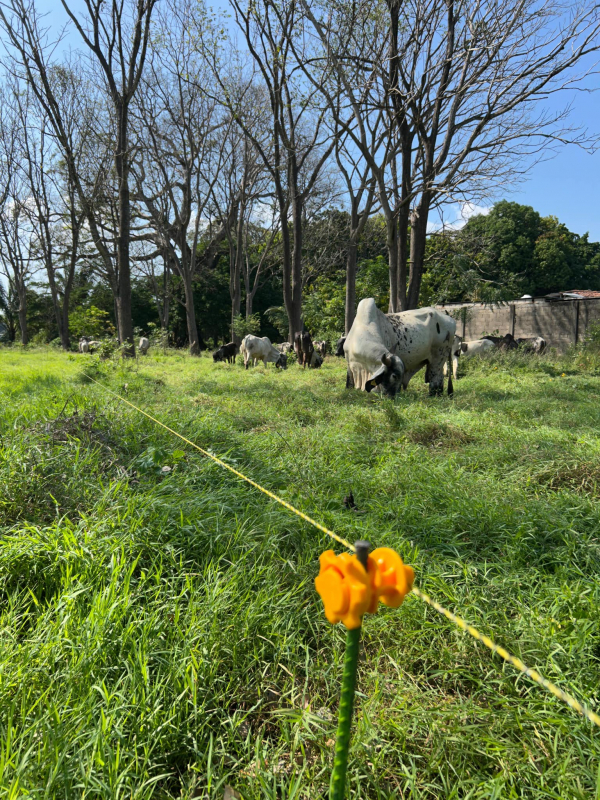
x=450, y=384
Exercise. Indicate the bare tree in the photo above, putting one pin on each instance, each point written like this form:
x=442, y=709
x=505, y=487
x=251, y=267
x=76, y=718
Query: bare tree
x=17, y=249
x=360, y=187
x=362, y=50
x=272, y=96
x=54, y=215
x=460, y=82
x=181, y=152
x=259, y=260
x=475, y=79
x=116, y=34
x=70, y=104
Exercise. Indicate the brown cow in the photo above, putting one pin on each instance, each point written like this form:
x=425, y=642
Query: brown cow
x=303, y=346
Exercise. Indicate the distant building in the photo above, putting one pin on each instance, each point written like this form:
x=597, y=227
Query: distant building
x=573, y=294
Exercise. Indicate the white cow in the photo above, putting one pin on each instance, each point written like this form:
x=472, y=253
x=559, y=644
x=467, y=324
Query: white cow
x=386, y=350
x=83, y=345
x=321, y=348
x=256, y=349
x=532, y=344
x=476, y=348
x=144, y=346
x=455, y=353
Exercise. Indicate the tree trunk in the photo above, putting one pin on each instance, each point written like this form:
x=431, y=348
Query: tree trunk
x=190, y=314
x=23, y=317
x=287, y=273
x=167, y=300
x=418, y=240
x=295, y=310
x=351, y=258
x=249, y=303
x=404, y=214
x=235, y=273
x=392, y=248
x=65, y=339
x=125, y=321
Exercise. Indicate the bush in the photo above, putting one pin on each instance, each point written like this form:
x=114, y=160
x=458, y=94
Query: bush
x=242, y=326
x=92, y=321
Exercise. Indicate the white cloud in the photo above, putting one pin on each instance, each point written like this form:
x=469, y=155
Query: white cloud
x=456, y=216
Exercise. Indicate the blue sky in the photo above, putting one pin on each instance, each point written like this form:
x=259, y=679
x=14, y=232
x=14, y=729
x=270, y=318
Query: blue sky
x=566, y=186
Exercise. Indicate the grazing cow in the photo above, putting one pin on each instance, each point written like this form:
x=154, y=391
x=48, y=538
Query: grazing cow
x=260, y=349
x=339, y=348
x=321, y=348
x=226, y=352
x=532, y=344
x=476, y=348
x=284, y=347
x=144, y=346
x=506, y=342
x=386, y=350
x=455, y=353
x=316, y=360
x=304, y=348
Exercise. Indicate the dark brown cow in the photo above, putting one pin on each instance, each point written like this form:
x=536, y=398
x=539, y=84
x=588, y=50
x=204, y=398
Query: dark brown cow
x=506, y=342
x=227, y=353
x=303, y=346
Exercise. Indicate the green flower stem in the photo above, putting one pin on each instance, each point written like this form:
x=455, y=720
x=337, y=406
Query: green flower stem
x=342, y=744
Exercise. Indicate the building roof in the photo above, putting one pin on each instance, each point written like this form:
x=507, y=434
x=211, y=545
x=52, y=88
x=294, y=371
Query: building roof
x=573, y=294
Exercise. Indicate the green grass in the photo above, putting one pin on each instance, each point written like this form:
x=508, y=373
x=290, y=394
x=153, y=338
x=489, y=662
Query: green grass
x=160, y=632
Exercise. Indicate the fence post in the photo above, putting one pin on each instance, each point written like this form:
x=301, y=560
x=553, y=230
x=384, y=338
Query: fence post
x=342, y=743
x=512, y=320
x=576, y=320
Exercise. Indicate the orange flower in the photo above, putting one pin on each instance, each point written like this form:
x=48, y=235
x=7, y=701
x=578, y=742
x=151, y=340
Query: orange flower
x=349, y=591
x=396, y=578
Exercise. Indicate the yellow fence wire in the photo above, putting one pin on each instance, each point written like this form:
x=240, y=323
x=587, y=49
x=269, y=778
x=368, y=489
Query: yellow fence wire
x=533, y=674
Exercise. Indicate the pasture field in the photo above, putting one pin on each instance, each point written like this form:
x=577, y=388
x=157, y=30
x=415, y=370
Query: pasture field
x=160, y=632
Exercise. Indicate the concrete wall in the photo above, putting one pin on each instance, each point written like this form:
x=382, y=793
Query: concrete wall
x=561, y=324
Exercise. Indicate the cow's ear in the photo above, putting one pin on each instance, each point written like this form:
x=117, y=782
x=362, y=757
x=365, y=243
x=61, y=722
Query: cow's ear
x=376, y=379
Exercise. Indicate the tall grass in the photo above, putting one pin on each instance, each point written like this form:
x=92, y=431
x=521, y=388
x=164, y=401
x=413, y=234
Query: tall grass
x=161, y=636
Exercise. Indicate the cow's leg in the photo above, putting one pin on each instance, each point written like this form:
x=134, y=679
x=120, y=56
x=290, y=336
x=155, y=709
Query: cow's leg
x=349, y=380
x=436, y=385
x=435, y=372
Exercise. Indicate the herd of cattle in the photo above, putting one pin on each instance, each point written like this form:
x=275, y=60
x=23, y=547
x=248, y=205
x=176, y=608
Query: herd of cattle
x=382, y=351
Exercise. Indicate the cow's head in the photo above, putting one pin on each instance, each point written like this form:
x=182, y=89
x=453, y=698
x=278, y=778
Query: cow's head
x=388, y=376
x=339, y=348
x=281, y=361
x=218, y=355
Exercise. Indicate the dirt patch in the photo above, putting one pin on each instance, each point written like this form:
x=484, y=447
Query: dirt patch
x=578, y=477
x=64, y=427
